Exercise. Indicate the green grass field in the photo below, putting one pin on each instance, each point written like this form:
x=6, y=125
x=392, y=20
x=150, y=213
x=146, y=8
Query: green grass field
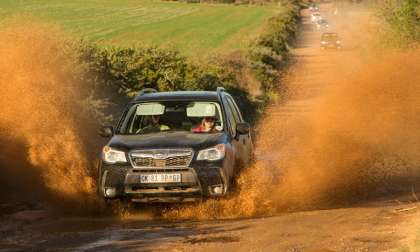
x=192, y=28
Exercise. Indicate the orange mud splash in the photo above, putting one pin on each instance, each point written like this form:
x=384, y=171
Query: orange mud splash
x=39, y=100
x=362, y=137
x=359, y=139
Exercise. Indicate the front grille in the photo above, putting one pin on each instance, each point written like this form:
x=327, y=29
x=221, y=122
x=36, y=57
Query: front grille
x=177, y=161
x=163, y=158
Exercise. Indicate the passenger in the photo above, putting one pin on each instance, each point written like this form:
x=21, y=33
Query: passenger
x=207, y=125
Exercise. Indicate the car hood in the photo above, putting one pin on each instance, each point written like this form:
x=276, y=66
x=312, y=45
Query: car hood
x=166, y=140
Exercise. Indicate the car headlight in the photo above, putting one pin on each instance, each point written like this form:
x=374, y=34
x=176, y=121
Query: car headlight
x=212, y=154
x=113, y=156
x=323, y=42
x=338, y=42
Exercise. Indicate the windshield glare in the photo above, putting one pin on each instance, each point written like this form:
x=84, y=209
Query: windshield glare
x=329, y=36
x=170, y=116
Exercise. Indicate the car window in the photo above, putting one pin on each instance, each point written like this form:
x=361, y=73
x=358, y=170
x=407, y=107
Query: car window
x=235, y=111
x=128, y=119
x=330, y=36
x=230, y=117
x=155, y=117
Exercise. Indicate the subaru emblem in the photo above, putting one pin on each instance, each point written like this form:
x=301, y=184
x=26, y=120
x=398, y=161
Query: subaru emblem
x=160, y=156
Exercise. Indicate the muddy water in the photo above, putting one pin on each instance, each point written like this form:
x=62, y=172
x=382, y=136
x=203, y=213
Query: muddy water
x=40, y=120
x=349, y=131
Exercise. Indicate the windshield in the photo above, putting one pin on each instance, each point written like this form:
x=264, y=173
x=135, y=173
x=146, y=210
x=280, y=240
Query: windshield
x=172, y=116
x=329, y=36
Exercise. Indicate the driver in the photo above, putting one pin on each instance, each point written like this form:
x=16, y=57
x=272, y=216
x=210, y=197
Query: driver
x=153, y=125
x=207, y=125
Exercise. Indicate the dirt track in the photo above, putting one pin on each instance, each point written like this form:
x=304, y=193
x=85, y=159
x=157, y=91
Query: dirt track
x=381, y=225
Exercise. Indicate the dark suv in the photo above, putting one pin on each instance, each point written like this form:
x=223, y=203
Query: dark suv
x=174, y=147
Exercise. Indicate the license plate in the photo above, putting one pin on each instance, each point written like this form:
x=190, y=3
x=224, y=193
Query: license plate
x=160, y=178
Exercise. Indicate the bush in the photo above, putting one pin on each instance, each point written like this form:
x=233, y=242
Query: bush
x=269, y=52
x=131, y=69
x=403, y=19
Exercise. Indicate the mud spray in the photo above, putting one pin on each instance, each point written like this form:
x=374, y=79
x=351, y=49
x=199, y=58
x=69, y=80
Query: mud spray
x=40, y=112
x=359, y=138
x=349, y=132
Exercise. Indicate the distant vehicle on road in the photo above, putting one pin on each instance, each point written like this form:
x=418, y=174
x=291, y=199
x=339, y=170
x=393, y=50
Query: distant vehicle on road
x=174, y=147
x=330, y=40
x=322, y=24
x=315, y=16
x=313, y=7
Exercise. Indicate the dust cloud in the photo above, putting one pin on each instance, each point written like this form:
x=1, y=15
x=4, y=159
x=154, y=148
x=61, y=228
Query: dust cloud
x=362, y=137
x=359, y=139
x=40, y=117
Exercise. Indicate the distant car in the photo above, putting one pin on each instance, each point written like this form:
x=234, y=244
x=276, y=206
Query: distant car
x=313, y=7
x=315, y=16
x=322, y=24
x=330, y=40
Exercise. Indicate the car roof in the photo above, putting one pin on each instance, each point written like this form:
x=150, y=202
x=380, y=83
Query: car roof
x=178, y=96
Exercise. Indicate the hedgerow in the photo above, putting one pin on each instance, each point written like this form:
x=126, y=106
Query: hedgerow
x=130, y=69
x=403, y=20
x=269, y=52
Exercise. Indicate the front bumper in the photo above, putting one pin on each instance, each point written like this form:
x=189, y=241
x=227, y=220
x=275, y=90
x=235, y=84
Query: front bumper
x=198, y=181
x=331, y=46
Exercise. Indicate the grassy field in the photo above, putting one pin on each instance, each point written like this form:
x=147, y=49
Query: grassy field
x=192, y=28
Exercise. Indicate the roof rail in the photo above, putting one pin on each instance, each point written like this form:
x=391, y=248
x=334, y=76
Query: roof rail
x=220, y=89
x=147, y=91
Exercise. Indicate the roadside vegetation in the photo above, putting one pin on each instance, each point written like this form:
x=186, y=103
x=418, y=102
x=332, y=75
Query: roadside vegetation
x=402, y=18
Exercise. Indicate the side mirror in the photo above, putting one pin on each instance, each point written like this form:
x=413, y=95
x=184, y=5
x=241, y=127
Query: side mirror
x=243, y=128
x=106, y=131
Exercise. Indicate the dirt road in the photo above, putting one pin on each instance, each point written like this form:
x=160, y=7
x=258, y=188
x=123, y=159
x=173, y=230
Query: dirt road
x=380, y=225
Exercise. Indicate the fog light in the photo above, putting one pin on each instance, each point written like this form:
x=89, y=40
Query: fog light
x=216, y=190
x=110, y=192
